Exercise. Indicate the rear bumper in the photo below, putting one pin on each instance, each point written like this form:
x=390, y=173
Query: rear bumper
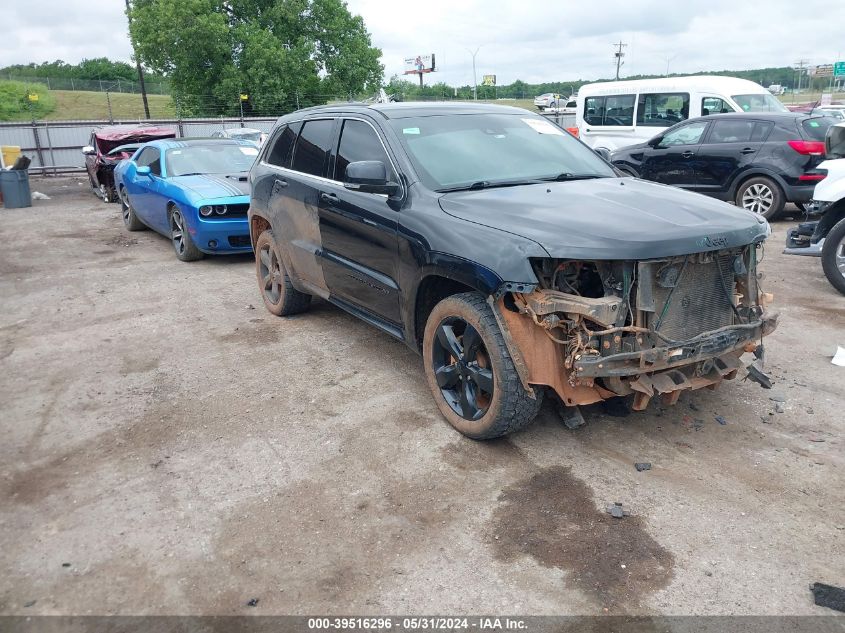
x=799, y=193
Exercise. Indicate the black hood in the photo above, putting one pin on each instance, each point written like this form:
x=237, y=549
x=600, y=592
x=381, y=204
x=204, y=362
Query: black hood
x=609, y=218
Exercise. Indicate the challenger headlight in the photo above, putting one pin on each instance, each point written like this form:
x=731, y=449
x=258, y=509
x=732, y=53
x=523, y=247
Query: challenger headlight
x=209, y=209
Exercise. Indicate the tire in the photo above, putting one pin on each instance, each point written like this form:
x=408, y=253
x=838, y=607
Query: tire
x=180, y=237
x=277, y=291
x=833, y=256
x=108, y=194
x=480, y=394
x=130, y=220
x=761, y=195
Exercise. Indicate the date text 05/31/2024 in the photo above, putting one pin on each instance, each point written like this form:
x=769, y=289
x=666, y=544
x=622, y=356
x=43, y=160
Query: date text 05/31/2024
x=421, y=623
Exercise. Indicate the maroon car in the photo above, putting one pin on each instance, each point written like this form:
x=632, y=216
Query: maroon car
x=110, y=145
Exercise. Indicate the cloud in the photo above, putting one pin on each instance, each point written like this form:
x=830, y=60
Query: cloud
x=534, y=42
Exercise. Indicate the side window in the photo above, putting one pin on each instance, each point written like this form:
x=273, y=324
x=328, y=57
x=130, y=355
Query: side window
x=731, y=131
x=685, y=135
x=359, y=141
x=714, y=105
x=312, y=146
x=282, y=147
x=662, y=109
x=615, y=110
x=151, y=158
x=761, y=130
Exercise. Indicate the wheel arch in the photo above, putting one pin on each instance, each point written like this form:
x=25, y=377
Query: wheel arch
x=742, y=178
x=257, y=225
x=832, y=216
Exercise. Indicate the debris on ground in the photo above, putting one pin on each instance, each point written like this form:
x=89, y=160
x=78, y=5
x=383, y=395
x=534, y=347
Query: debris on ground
x=617, y=511
x=253, y=602
x=755, y=375
x=29, y=604
x=65, y=564
x=641, y=466
x=828, y=596
x=839, y=357
x=777, y=398
x=37, y=195
x=721, y=420
x=693, y=406
x=571, y=417
x=779, y=407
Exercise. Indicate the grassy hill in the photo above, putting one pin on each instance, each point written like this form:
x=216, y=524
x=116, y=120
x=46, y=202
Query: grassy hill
x=79, y=105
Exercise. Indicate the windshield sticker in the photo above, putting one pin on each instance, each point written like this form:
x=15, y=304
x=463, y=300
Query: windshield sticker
x=543, y=127
x=249, y=151
x=813, y=123
x=176, y=151
x=410, y=130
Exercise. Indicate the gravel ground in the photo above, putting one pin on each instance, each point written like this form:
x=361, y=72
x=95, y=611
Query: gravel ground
x=170, y=447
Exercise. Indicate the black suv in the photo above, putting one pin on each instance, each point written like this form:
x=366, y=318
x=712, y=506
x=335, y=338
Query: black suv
x=759, y=161
x=507, y=253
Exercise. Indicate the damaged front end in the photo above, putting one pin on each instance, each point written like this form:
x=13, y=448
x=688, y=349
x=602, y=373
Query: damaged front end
x=593, y=330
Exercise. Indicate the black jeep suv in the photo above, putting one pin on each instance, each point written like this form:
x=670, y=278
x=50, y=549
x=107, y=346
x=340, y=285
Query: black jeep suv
x=507, y=253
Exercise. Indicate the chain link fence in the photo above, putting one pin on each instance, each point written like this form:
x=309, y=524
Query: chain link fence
x=93, y=85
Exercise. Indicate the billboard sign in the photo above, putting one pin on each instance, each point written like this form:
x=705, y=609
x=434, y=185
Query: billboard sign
x=419, y=64
x=488, y=80
x=822, y=70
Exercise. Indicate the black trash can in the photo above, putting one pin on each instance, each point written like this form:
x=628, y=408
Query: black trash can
x=14, y=185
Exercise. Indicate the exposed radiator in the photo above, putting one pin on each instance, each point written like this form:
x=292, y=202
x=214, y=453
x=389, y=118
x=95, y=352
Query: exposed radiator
x=699, y=302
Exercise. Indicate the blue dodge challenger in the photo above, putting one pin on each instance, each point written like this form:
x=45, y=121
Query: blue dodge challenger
x=194, y=191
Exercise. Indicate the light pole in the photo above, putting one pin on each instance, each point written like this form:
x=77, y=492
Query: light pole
x=474, y=76
x=669, y=61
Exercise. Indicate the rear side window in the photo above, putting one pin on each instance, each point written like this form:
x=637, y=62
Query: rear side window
x=282, y=149
x=731, y=131
x=150, y=157
x=815, y=129
x=312, y=146
x=358, y=141
x=615, y=111
x=662, y=109
x=761, y=130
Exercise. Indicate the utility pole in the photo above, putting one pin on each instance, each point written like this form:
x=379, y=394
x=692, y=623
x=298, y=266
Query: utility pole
x=140, y=71
x=669, y=61
x=619, y=55
x=800, y=63
x=474, y=76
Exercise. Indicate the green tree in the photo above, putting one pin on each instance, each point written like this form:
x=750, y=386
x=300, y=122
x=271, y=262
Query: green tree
x=282, y=53
x=16, y=105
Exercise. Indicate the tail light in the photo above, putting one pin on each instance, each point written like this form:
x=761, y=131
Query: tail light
x=573, y=131
x=813, y=176
x=808, y=148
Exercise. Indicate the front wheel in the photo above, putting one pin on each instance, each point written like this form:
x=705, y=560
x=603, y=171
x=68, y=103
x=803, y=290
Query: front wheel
x=181, y=238
x=470, y=372
x=833, y=256
x=761, y=195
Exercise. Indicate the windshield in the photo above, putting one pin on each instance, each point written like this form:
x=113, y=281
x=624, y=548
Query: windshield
x=452, y=151
x=209, y=159
x=759, y=103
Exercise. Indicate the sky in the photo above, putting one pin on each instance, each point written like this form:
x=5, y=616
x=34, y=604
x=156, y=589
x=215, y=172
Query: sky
x=534, y=42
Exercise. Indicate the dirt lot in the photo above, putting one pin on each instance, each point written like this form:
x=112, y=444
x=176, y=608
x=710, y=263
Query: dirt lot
x=170, y=447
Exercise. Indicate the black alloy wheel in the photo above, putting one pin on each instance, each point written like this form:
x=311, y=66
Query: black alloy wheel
x=462, y=368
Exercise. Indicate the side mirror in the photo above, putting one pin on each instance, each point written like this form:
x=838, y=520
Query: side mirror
x=89, y=150
x=369, y=176
x=603, y=152
x=654, y=142
x=143, y=170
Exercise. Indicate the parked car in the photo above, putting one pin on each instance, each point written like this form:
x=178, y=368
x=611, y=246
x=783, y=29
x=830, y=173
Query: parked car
x=507, y=253
x=193, y=191
x=836, y=111
x=547, y=100
x=101, y=158
x=759, y=161
x=825, y=237
x=242, y=134
x=564, y=107
x=616, y=114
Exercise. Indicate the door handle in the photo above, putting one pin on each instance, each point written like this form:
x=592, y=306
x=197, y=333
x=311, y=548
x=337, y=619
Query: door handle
x=688, y=154
x=747, y=150
x=279, y=184
x=329, y=198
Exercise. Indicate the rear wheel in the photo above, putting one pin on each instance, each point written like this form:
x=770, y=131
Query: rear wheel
x=833, y=256
x=277, y=291
x=761, y=195
x=130, y=220
x=180, y=236
x=470, y=372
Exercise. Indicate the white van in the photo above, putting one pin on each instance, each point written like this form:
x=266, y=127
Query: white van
x=615, y=114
